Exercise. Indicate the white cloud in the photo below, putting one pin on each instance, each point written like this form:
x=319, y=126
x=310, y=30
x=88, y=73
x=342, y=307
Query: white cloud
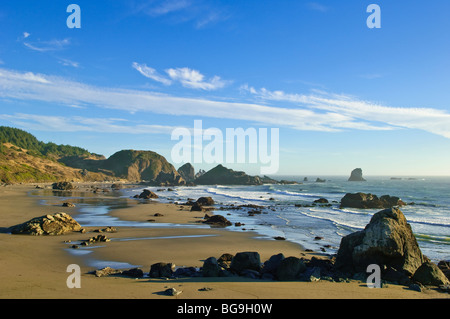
x=67, y=62
x=318, y=111
x=194, y=79
x=83, y=124
x=26, y=35
x=45, y=46
x=317, y=6
x=150, y=73
x=187, y=77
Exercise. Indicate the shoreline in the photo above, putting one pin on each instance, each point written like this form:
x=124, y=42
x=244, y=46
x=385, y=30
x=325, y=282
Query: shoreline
x=36, y=266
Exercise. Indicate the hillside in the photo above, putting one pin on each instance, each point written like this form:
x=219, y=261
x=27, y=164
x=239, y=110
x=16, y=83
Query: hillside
x=226, y=176
x=19, y=165
x=23, y=158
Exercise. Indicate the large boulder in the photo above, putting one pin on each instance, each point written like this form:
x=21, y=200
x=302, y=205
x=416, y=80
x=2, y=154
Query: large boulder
x=56, y=224
x=161, y=269
x=356, y=176
x=386, y=241
x=217, y=221
x=290, y=268
x=363, y=200
x=246, y=260
x=430, y=274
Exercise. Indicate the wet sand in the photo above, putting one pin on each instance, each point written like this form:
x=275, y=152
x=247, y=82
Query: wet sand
x=35, y=266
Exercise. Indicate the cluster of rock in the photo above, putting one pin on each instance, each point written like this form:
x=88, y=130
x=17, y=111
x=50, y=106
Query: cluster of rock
x=363, y=200
x=388, y=241
x=56, y=224
x=63, y=186
x=146, y=194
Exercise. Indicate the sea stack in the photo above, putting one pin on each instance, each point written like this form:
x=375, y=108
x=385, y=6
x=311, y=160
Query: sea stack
x=356, y=176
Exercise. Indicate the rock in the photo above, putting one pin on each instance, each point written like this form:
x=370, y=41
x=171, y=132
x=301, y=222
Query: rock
x=363, y=200
x=290, y=269
x=225, y=260
x=205, y=201
x=245, y=260
x=196, y=207
x=319, y=180
x=416, y=287
x=68, y=204
x=187, y=172
x=430, y=274
x=210, y=267
x=147, y=194
x=161, y=270
x=218, y=221
x=56, y=224
x=107, y=271
x=185, y=272
x=168, y=178
x=172, y=292
x=321, y=201
x=356, y=176
x=445, y=267
x=64, y=186
x=221, y=175
x=134, y=273
x=272, y=264
x=116, y=186
x=387, y=241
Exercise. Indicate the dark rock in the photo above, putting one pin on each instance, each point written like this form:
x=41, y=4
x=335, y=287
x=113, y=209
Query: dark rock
x=172, y=292
x=196, y=207
x=56, y=224
x=147, y=194
x=430, y=274
x=161, y=270
x=116, y=186
x=221, y=175
x=185, y=272
x=210, y=267
x=321, y=201
x=64, y=186
x=387, y=241
x=68, y=204
x=272, y=264
x=205, y=201
x=245, y=260
x=218, y=220
x=363, y=200
x=356, y=176
x=187, y=172
x=319, y=180
x=290, y=269
x=134, y=273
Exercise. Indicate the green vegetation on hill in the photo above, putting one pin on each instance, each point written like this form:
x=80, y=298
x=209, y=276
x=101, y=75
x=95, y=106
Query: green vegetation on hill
x=25, y=140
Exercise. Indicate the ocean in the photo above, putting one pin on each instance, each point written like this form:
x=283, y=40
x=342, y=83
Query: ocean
x=321, y=228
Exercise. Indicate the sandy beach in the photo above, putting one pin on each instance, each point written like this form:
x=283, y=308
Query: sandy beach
x=35, y=266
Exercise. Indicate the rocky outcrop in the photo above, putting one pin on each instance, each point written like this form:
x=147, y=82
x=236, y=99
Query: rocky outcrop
x=63, y=186
x=430, y=274
x=387, y=241
x=221, y=175
x=363, y=200
x=161, y=269
x=356, y=176
x=187, y=171
x=141, y=165
x=217, y=221
x=56, y=224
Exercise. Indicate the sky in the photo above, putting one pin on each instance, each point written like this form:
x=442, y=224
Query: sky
x=341, y=95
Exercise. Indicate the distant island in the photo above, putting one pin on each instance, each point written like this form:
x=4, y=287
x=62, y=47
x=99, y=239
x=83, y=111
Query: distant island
x=25, y=159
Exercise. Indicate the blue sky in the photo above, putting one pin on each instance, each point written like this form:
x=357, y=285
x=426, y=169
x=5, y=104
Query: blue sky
x=342, y=95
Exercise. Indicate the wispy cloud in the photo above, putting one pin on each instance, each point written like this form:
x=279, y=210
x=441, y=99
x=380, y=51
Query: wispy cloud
x=187, y=77
x=67, y=62
x=83, y=124
x=199, y=12
x=150, y=73
x=45, y=46
x=194, y=79
x=317, y=111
